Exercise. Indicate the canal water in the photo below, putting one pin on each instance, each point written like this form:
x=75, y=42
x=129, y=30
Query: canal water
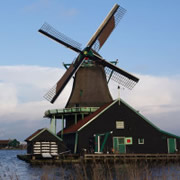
x=13, y=168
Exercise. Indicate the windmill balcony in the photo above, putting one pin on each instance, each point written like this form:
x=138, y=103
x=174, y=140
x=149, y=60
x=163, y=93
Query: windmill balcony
x=66, y=111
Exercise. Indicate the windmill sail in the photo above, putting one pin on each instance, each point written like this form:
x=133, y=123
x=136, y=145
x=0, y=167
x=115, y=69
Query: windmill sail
x=54, y=92
x=108, y=25
x=52, y=33
x=120, y=79
x=119, y=75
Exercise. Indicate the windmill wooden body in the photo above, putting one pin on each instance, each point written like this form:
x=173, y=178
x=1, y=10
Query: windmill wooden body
x=90, y=98
x=90, y=87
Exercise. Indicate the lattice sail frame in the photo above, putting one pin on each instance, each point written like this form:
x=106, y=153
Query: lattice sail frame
x=119, y=78
x=60, y=36
x=51, y=93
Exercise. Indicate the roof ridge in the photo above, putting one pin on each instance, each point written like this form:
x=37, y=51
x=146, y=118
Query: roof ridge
x=40, y=131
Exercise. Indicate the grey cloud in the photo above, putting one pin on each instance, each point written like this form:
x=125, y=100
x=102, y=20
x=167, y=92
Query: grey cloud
x=22, y=105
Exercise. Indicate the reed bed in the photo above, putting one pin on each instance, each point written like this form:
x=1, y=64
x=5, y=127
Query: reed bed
x=99, y=171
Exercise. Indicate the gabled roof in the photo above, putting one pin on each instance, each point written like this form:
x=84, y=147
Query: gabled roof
x=38, y=132
x=149, y=122
x=82, y=123
x=4, y=141
x=33, y=135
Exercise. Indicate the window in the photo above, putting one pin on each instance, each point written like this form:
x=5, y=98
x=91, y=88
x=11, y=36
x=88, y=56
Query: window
x=119, y=124
x=120, y=140
x=128, y=140
x=140, y=140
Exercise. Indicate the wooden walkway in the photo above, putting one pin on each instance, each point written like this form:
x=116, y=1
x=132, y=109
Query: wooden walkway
x=103, y=158
x=132, y=157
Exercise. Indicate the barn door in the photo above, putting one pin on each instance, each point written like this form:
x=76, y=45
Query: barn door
x=119, y=144
x=171, y=145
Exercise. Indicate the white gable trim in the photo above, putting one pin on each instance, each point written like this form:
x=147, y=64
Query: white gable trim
x=98, y=115
x=44, y=129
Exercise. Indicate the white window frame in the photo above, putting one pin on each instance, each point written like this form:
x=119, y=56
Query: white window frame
x=119, y=124
x=139, y=140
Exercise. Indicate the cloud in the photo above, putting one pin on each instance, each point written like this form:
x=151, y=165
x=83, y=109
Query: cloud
x=22, y=89
x=157, y=94
x=8, y=96
x=22, y=105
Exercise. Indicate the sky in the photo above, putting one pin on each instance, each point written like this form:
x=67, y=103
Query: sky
x=146, y=42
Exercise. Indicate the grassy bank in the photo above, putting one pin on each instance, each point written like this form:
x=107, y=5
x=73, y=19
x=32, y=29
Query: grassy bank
x=101, y=171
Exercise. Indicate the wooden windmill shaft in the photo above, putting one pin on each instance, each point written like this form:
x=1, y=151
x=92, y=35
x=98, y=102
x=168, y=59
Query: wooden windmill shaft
x=90, y=87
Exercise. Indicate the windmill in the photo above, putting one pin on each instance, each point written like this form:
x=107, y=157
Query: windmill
x=95, y=122
x=89, y=55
